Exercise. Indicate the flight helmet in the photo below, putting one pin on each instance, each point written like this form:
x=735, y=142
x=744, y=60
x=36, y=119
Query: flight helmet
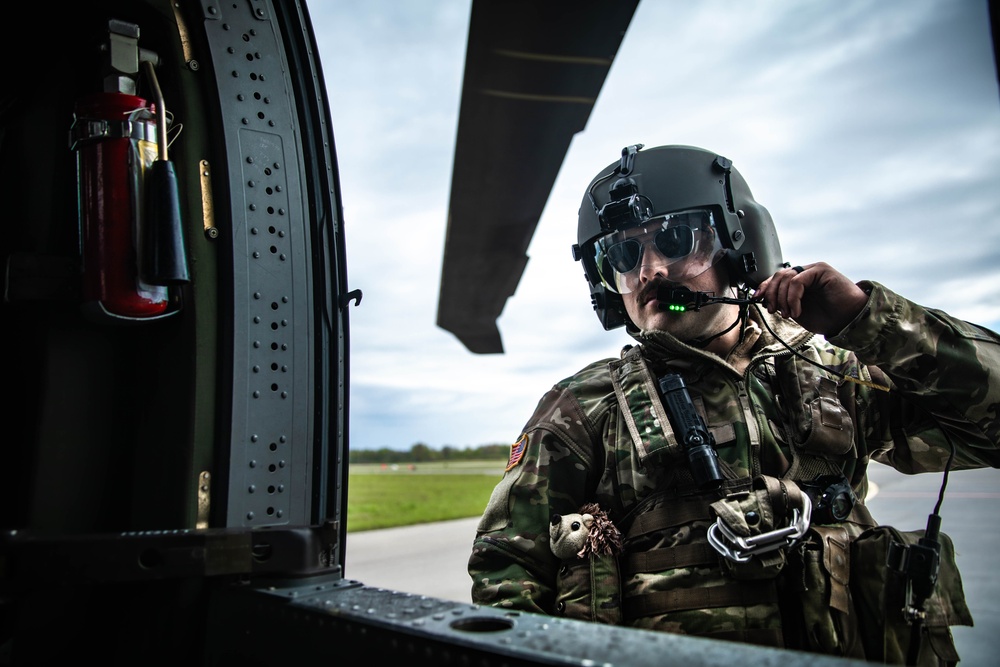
x=670, y=193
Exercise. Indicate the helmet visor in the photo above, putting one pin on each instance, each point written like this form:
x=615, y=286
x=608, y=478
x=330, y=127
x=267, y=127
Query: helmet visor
x=678, y=245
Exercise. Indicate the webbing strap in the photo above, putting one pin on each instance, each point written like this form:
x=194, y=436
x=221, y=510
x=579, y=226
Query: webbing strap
x=668, y=516
x=735, y=594
x=669, y=558
x=784, y=496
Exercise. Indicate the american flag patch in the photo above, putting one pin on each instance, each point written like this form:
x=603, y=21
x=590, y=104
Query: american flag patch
x=516, y=452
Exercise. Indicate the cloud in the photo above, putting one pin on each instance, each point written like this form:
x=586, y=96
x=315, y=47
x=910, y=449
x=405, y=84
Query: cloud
x=871, y=131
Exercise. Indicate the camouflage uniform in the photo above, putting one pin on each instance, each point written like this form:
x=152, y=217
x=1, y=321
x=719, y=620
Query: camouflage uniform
x=782, y=417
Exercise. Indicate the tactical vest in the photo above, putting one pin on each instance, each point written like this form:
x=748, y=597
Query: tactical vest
x=828, y=592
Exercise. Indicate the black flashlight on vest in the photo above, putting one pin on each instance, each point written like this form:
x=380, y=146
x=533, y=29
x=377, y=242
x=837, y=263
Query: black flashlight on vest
x=692, y=433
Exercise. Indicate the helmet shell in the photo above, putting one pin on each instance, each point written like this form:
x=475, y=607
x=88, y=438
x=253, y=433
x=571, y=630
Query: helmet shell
x=666, y=179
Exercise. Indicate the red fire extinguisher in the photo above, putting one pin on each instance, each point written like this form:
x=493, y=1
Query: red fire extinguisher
x=114, y=136
x=131, y=236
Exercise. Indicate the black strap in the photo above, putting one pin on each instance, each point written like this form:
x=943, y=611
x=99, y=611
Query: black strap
x=735, y=594
x=673, y=514
x=669, y=558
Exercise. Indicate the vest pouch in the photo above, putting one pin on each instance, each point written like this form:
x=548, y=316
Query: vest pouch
x=879, y=593
x=734, y=509
x=755, y=514
x=820, y=424
x=589, y=589
x=819, y=572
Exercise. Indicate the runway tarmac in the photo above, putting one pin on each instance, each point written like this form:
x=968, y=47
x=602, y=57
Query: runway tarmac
x=431, y=559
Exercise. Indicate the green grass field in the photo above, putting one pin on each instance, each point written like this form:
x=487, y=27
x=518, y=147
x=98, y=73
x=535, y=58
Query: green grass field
x=406, y=494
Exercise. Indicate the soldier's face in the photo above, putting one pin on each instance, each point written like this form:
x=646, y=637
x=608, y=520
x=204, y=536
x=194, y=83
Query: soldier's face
x=675, y=249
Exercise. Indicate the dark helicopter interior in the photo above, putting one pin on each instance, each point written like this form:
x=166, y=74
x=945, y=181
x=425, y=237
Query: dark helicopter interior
x=177, y=308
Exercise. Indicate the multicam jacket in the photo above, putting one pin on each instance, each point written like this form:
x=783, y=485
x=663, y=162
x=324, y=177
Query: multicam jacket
x=901, y=384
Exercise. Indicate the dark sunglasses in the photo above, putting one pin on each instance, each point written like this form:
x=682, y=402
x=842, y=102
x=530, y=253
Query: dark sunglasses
x=673, y=243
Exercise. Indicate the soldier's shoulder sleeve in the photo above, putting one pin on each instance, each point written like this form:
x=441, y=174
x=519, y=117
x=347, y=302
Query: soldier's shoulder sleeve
x=550, y=470
x=944, y=375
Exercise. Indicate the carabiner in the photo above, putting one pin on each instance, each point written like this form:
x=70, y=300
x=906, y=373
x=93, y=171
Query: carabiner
x=741, y=549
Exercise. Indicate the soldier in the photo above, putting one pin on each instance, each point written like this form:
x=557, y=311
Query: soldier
x=730, y=447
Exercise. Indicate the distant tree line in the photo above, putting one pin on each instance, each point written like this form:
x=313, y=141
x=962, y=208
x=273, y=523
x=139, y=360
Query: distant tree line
x=421, y=453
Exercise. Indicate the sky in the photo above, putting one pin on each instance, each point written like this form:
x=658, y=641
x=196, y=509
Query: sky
x=870, y=129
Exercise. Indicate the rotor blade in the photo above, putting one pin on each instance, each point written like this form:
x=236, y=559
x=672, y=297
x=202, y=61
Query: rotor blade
x=532, y=74
x=994, y=11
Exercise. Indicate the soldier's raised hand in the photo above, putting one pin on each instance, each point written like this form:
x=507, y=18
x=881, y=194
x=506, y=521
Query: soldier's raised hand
x=817, y=296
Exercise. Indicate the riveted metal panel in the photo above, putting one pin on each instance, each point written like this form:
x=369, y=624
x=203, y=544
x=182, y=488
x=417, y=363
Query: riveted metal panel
x=270, y=452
